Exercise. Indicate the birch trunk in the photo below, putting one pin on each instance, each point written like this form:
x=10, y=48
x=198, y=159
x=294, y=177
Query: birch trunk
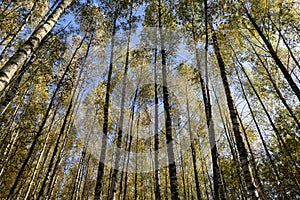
x=18, y=59
x=43, y=123
x=168, y=120
x=10, y=95
x=121, y=119
x=243, y=153
x=130, y=143
x=156, y=136
x=99, y=181
x=232, y=149
x=56, y=149
x=41, y=156
x=274, y=55
x=274, y=168
x=20, y=28
x=280, y=95
x=194, y=156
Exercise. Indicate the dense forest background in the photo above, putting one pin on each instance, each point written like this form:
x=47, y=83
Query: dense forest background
x=149, y=99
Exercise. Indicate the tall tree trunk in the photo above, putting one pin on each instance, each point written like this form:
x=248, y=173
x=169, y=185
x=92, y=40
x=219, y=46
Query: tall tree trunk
x=71, y=111
x=166, y=187
x=193, y=149
x=205, y=183
x=136, y=159
x=18, y=59
x=40, y=156
x=218, y=191
x=40, y=173
x=274, y=55
x=99, y=180
x=11, y=93
x=231, y=146
x=252, y=158
x=274, y=85
x=168, y=120
x=19, y=29
x=56, y=147
x=274, y=168
x=295, y=168
x=77, y=182
x=51, y=188
x=243, y=153
x=83, y=155
x=43, y=123
x=285, y=43
x=85, y=189
x=121, y=119
x=7, y=152
x=80, y=180
x=11, y=137
x=156, y=136
x=203, y=162
x=183, y=176
x=16, y=80
x=130, y=142
x=81, y=164
x=224, y=182
x=59, y=159
x=123, y=170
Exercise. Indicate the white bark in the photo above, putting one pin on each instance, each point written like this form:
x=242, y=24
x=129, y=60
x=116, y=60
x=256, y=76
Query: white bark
x=17, y=60
x=7, y=152
x=37, y=165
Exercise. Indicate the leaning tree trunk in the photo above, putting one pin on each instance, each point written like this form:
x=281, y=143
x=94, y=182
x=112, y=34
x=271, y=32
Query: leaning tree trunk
x=285, y=42
x=243, y=153
x=59, y=158
x=62, y=133
x=43, y=123
x=260, y=133
x=130, y=138
x=232, y=149
x=33, y=42
x=17, y=79
x=252, y=158
x=183, y=177
x=41, y=156
x=274, y=55
x=277, y=133
x=19, y=29
x=280, y=95
x=10, y=95
x=130, y=143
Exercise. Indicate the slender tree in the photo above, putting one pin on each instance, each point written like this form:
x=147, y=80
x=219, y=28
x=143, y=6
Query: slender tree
x=199, y=196
x=168, y=120
x=17, y=60
x=43, y=123
x=243, y=153
x=121, y=119
x=274, y=55
x=99, y=181
x=156, y=136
